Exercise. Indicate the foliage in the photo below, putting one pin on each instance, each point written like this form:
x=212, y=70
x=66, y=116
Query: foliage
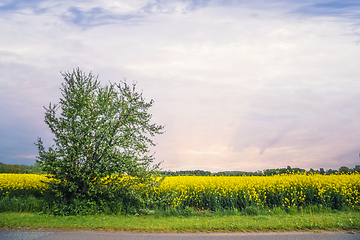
x=186, y=173
x=101, y=132
x=9, y=168
x=17, y=168
x=25, y=203
x=266, y=172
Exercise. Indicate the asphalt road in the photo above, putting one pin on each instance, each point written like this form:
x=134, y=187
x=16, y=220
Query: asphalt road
x=109, y=235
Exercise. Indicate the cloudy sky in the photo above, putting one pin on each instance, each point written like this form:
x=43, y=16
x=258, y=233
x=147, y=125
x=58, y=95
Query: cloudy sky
x=239, y=85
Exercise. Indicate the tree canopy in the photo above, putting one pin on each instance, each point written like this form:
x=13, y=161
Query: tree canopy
x=100, y=132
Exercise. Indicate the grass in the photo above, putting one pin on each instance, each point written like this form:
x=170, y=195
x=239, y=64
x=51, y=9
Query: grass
x=277, y=220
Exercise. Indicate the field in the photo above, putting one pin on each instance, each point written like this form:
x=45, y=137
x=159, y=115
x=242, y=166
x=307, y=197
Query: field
x=265, y=203
x=212, y=193
x=286, y=191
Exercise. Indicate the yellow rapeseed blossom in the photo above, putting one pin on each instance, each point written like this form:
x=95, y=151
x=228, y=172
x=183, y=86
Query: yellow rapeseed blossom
x=287, y=190
x=11, y=182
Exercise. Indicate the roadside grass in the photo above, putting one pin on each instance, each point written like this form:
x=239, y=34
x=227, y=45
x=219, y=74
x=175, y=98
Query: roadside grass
x=221, y=221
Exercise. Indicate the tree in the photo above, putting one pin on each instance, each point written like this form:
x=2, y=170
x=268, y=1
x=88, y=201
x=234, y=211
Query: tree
x=344, y=169
x=101, y=133
x=330, y=171
x=2, y=168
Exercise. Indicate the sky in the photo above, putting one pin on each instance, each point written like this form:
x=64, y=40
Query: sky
x=241, y=85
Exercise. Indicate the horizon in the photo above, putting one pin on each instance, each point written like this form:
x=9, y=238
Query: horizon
x=254, y=171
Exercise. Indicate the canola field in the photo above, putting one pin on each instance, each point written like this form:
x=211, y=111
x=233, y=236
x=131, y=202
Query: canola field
x=285, y=191
x=22, y=184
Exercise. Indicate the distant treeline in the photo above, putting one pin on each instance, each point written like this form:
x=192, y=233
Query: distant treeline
x=9, y=168
x=266, y=172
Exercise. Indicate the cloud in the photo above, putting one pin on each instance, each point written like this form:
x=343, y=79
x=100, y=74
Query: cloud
x=321, y=129
x=112, y=14
x=240, y=85
x=183, y=6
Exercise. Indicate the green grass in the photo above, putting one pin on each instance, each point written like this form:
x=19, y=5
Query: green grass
x=24, y=212
x=206, y=222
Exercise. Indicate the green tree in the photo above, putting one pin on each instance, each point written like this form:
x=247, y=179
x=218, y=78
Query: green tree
x=356, y=168
x=344, y=169
x=101, y=132
x=330, y=171
x=3, y=168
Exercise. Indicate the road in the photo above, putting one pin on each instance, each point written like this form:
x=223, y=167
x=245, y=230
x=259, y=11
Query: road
x=112, y=235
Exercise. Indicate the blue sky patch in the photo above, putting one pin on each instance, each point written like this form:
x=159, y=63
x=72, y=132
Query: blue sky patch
x=95, y=16
x=18, y=5
x=348, y=9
